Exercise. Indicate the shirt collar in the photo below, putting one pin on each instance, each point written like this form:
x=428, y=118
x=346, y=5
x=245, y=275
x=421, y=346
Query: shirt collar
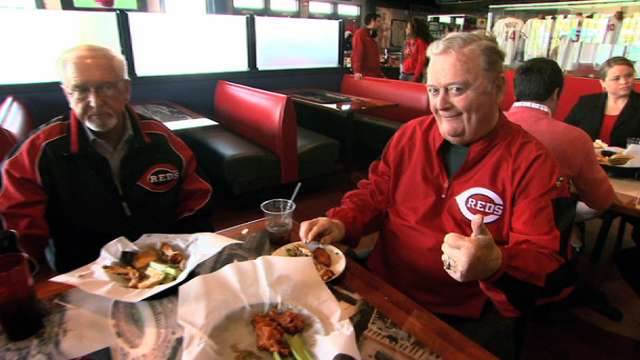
x=533, y=105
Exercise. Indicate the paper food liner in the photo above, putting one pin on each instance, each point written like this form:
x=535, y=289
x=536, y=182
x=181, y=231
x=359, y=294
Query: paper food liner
x=633, y=150
x=93, y=279
x=215, y=309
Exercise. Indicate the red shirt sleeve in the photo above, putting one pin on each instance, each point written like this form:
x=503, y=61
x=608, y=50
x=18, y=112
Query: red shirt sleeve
x=23, y=199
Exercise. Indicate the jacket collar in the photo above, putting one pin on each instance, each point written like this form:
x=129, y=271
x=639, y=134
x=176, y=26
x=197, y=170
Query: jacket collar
x=79, y=141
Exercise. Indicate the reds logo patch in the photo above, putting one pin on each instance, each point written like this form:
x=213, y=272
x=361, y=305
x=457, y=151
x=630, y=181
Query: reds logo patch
x=160, y=178
x=483, y=201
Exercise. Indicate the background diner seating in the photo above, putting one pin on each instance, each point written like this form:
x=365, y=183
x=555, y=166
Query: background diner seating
x=373, y=128
x=509, y=96
x=574, y=88
x=15, y=118
x=257, y=143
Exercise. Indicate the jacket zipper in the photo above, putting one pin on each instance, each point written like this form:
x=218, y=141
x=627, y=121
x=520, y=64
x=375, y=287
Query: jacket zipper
x=123, y=202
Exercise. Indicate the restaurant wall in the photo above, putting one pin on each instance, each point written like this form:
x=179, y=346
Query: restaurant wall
x=46, y=101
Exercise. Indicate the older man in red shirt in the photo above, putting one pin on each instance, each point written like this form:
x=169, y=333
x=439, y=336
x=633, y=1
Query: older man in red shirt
x=365, y=57
x=538, y=83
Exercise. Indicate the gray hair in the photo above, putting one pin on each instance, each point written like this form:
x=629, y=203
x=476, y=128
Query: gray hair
x=88, y=50
x=486, y=46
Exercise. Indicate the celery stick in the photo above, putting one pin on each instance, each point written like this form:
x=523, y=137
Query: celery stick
x=298, y=348
x=276, y=356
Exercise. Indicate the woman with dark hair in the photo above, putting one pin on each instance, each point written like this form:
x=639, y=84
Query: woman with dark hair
x=613, y=115
x=415, y=50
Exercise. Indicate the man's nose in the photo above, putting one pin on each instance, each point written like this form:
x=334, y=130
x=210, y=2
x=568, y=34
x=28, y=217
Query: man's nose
x=93, y=97
x=442, y=101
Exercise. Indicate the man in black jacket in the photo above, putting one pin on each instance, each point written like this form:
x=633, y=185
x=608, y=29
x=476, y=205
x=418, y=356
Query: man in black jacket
x=100, y=171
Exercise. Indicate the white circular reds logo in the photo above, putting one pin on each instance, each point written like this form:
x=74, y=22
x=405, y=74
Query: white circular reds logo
x=160, y=178
x=483, y=201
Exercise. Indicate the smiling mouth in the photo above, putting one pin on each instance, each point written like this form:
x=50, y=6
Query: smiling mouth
x=449, y=116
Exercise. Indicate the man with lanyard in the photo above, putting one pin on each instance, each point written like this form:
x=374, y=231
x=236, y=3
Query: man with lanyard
x=538, y=83
x=99, y=172
x=463, y=202
x=365, y=56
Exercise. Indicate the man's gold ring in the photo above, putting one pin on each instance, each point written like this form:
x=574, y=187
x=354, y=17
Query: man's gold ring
x=448, y=262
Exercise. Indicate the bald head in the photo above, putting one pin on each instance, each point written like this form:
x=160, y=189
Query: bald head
x=91, y=54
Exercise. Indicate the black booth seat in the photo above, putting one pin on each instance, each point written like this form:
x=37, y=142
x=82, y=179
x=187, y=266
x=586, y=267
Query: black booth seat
x=371, y=135
x=241, y=166
x=317, y=154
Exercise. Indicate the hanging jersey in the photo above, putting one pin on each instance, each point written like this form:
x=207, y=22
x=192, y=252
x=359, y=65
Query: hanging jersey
x=612, y=31
x=538, y=33
x=507, y=32
x=561, y=31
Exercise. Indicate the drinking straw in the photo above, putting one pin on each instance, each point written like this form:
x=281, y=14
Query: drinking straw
x=295, y=192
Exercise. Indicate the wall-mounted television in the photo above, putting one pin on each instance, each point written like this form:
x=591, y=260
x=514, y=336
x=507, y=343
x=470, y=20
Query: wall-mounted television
x=296, y=43
x=34, y=39
x=168, y=44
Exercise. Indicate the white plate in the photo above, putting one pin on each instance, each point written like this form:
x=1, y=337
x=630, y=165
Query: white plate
x=338, y=261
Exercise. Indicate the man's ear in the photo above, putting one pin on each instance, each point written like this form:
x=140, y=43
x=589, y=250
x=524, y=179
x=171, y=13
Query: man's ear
x=556, y=94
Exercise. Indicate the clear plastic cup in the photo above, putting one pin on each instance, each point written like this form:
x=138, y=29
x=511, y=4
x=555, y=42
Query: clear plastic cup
x=279, y=218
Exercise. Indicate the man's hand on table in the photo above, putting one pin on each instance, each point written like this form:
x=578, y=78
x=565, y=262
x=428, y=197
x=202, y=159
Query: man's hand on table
x=358, y=76
x=474, y=257
x=322, y=229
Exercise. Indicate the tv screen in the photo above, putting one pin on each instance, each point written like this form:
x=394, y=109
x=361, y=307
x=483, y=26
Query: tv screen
x=34, y=39
x=294, y=43
x=167, y=44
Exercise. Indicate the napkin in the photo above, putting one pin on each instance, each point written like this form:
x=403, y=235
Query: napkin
x=633, y=150
x=93, y=279
x=206, y=305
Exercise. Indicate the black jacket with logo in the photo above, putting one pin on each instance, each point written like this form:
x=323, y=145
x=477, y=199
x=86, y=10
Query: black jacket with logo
x=57, y=186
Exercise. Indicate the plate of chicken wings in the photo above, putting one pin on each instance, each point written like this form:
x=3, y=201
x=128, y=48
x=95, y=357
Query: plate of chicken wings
x=328, y=259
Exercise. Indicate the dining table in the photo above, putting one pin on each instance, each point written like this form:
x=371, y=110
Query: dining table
x=87, y=326
x=172, y=115
x=337, y=103
x=626, y=207
x=628, y=193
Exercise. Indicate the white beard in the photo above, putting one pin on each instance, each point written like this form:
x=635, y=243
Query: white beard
x=102, y=124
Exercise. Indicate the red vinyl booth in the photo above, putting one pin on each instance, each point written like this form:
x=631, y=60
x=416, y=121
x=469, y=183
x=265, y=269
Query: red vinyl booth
x=411, y=97
x=15, y=124
x=509, y=97
x=269, y=120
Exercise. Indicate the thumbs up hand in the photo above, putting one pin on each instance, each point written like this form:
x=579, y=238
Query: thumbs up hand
x=474, y=257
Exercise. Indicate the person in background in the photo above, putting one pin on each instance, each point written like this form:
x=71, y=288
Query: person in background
x=7, y=141
x=463, y=202
x=614, y=115
x=414, y=54
x=99, y=172
x=538, y=84
x=365, y=56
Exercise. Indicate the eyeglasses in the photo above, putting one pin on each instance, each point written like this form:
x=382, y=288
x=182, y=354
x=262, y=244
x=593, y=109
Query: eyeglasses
x=81, y=92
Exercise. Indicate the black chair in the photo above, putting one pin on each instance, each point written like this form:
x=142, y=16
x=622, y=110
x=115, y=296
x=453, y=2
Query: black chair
x=603, y=234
